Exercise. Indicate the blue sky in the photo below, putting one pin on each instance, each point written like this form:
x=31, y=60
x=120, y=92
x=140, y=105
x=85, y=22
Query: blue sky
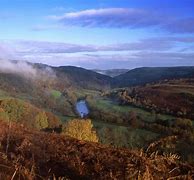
x=100, y=34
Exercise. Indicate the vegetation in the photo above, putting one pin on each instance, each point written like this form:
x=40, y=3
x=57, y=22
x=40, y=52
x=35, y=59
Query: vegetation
x=131, y=118
x=80, y=129
x=41, y=121
x=38, y=155
x=25, y=113
x=142, y=76
x=178, y=97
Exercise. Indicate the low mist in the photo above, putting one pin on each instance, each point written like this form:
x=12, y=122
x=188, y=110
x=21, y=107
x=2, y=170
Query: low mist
x=25, y=69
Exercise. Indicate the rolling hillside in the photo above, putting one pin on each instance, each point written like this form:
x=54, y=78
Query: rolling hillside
x=142, y=76
x=80, y=77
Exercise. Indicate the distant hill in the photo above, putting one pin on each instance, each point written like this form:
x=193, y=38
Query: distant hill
x=55, y=77
x=141, y=76
x=64, y=77
x=111, y=72
x=80, y=77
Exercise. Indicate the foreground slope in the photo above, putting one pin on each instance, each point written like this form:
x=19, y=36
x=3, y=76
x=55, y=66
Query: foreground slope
x=36, y=155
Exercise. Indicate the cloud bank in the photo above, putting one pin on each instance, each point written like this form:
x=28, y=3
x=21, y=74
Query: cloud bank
x=13, y=48
x=156, y=51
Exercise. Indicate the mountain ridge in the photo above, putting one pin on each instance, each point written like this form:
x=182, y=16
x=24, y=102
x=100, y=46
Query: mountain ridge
x=144, y=75
x=72, y=76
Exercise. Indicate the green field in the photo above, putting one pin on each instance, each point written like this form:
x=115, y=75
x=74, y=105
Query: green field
x=121, y=136
x=110, y=106
x=82, y=93
x=56, y=94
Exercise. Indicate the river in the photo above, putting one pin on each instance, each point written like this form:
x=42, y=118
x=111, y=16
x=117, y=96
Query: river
x=82, y=108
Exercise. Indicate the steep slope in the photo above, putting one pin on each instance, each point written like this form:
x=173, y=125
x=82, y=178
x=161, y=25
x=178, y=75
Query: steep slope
x=141, y=76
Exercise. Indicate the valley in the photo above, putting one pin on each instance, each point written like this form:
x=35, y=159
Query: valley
x=132, y=117
x=97, y=90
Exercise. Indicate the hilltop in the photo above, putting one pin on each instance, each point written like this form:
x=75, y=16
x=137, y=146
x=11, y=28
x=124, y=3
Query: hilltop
x=144, y=75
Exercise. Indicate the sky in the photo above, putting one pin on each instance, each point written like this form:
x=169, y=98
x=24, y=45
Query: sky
x=98, y=34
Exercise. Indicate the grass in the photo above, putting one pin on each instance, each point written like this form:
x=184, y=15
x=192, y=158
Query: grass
x=80, y=93
x=122, y=136
x=110, y=106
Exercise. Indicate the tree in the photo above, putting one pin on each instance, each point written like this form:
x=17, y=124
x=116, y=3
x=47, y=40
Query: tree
x=80, y=129
x=41, y=121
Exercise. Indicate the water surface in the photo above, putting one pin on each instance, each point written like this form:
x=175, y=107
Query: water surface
x=82, y=108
